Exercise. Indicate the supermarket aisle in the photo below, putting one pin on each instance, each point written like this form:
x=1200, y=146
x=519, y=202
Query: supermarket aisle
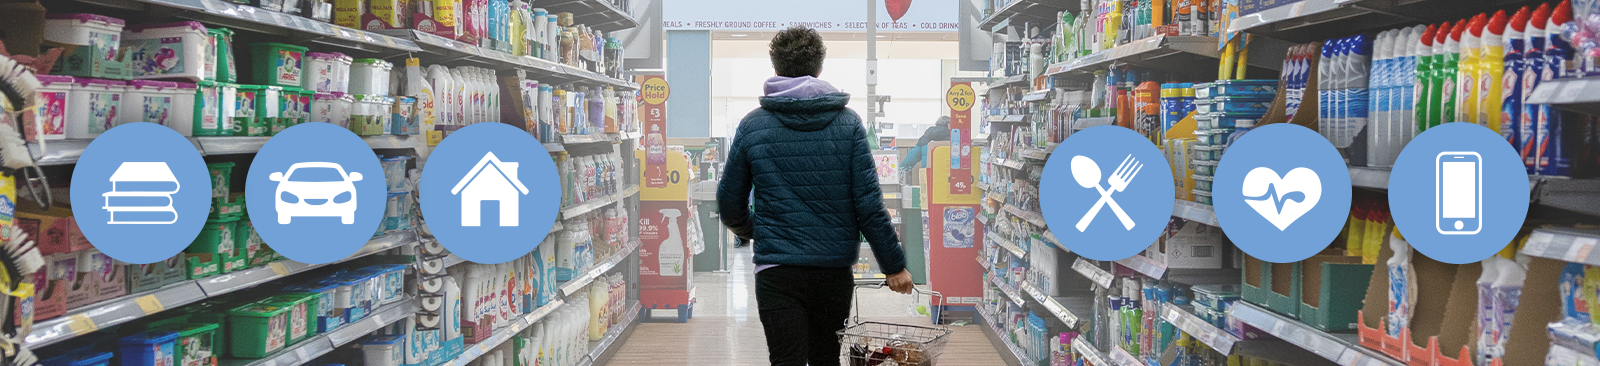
x=726, y=330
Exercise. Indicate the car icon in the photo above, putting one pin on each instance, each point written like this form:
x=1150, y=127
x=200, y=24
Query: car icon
x=316, y=189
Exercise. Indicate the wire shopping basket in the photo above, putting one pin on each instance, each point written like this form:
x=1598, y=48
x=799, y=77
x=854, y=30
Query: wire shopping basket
x=888, y=344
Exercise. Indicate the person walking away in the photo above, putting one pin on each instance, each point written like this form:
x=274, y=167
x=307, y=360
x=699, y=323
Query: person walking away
x=816, y=195
x=919, y=153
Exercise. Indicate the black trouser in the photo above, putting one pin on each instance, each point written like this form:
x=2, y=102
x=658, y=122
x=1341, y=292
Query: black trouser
x=802, y=309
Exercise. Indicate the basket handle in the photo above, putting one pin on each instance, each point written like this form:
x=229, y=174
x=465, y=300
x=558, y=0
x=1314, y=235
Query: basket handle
x=916, y=293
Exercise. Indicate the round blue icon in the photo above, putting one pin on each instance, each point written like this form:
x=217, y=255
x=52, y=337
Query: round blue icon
x=489, y=193
x=142, y=193
x=316, y=193
x=1282, y=193
x=1107, y=193
x=1458, y=193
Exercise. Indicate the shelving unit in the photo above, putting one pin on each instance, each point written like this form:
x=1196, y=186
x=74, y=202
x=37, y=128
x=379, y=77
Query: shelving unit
x=1340, y=348
x=996, y=337
x=133, y=307
x=504, y=334
x=1032, y=11
x=321, y=344
x=601, y=268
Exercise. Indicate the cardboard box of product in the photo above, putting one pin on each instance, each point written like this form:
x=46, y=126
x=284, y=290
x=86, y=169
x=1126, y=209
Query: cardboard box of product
x=1271, y=285
x=1331, y=291
x=1188, y=244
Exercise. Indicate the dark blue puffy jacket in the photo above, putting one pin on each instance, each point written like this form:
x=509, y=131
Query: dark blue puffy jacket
x=816, y=188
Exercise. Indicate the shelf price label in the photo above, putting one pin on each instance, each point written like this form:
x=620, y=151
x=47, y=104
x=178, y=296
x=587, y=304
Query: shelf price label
x=149, y=304
x=1093, y=273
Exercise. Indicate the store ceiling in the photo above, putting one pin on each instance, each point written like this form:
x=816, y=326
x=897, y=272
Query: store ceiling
x=842, y=36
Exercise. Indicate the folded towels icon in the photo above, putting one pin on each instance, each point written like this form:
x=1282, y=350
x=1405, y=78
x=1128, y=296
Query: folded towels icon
x=141, y=193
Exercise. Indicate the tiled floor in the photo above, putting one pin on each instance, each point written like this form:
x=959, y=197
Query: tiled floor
x=726, y=330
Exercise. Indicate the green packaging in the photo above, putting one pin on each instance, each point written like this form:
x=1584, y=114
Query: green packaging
x=257, y=329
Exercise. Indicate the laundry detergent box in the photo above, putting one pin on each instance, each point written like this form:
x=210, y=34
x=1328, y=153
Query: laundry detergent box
x=95, y=41
x=151, y=276
x=168, y=51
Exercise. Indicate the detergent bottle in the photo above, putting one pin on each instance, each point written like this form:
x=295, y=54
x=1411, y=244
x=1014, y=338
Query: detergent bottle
x=1423, y=50
x=1532, y=73
x=1511, y=78
x=1491, y=67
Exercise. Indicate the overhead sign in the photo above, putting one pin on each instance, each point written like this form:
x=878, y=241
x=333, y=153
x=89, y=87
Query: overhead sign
x=822, y=15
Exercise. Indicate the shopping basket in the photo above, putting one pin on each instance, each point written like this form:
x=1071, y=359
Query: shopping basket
x=887, y=344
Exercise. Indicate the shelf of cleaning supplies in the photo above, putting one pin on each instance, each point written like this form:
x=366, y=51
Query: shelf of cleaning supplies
x=1032, y=153
x=442, y=50
x=1372, y=178
x=1007, y=118
x=595, y=14
x=1317, y=20
x=1135, y=51
x=597, y=203
x=237, y=17
x=132, y=307
x=1031, y=217
x=578, y=283
x=1202, y=331
x=1121, y=357
x=1576, y=195
x=1567, y=245
x=66, y=152
x=394, y=141
x=1194, y=211
x=1041, y=13
x=1578, y=94
x=1065, y=309
x=1145, y=266
x=1340, y=348
x=1093, y=272
x=1088, y=351
x=616, y=335
x=1006, y=244
x=1002, y=81
x=593, y=138
x=504, y=334
x=321, y=344
x=999, y=338
x=1010, y=292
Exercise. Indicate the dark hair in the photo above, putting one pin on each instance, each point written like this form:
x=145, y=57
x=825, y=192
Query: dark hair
x=796, y=52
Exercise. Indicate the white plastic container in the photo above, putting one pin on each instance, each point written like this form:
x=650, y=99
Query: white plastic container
x=98, y=37
x=342, y=73
x=332, y=108
x=322, y=71
x=384, y=350
x=183, y=108
x=150, y=101
x=228, y=102
x=167, y=51
x=50, y=118
x=370, y=76
x=96, y=103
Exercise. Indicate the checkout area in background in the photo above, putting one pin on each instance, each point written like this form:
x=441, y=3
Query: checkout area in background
x=903, y=196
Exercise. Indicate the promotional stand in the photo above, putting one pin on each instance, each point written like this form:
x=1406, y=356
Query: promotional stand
x=955, y=234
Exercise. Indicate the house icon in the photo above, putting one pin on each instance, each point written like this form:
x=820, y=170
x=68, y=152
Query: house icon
x=490, y=180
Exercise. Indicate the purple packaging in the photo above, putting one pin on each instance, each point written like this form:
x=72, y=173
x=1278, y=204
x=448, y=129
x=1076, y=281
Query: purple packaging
x=958, y=227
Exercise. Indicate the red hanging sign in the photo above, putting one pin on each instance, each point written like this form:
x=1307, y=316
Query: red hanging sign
x=960, y=98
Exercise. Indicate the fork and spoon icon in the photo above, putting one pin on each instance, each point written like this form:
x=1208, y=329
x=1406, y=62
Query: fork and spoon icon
x=1087, y=173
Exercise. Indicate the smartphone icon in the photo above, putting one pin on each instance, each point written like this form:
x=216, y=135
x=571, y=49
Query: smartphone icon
x=1458, y=193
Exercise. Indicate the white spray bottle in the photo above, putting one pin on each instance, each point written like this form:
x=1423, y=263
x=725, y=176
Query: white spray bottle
x=669, y=256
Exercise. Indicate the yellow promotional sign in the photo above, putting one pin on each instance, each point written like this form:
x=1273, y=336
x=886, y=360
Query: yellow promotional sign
x=674, y=174
x=655, y=90
x=960, y=97
x=940, y=161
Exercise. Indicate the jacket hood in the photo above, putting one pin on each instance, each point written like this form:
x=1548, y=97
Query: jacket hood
x=806, y=114
x=800, y=87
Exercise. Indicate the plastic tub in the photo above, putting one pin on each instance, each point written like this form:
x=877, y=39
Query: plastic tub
x=390, y=280
x=227, y=108
x=342, y=73
x=302, y=313
x=149, y=348
x=1207, y=152
x=306, y=96
x=257, y=329
x=369, y=113
x=221, y=176
x=221, y=55
x=1206, y=136
x=277, y=63
x=332, y=108
x=98, y=38
x=362, y=296
x=320, y=72
x=243, y=230
x=1202, y=197
x=1203, y=91
x=80, y=357
x=168, y=51
x=344, y=289
x=206, y=111
x=196, y=344
x=1203, y=121
x=370, y=76
x=1244, y=88
x=1251, y=105
x=326, y=316
x=148, y=101
x=1230, y=120
x=268, y=110
x=219, y=238
x=289, y=111
x=386, y=350
x=50, y=120
x=95, y=104
x=183, y=108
